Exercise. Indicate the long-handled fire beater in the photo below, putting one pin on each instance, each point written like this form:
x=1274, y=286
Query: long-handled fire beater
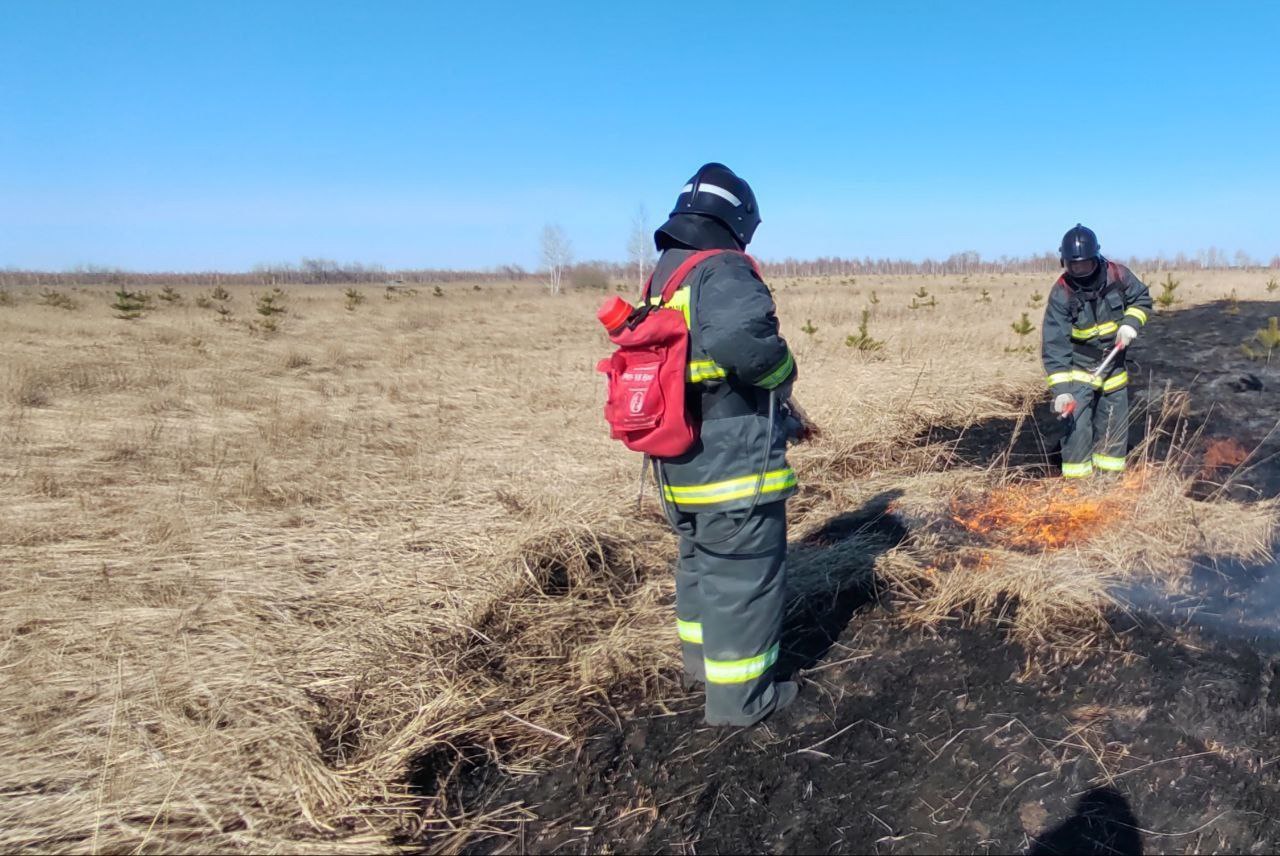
x=1097, y=373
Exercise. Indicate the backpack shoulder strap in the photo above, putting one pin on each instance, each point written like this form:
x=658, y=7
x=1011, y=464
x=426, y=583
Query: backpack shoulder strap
x=1115, y=276
x=678, y=275
x=644, y=290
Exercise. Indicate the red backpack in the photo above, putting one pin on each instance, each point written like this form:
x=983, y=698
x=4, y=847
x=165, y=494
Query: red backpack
x=645, y=405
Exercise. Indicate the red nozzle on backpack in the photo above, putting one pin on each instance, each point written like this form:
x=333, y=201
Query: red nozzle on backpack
x=614, y=313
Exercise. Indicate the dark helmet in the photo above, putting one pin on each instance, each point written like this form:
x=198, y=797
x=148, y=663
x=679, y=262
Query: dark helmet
x=1079, y=252
x=714, y=191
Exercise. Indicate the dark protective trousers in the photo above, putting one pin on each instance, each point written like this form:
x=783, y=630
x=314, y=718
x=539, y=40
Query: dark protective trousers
x=729, y=602
x=1097, y=436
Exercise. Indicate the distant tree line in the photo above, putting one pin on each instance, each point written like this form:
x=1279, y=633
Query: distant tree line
x=325, y=271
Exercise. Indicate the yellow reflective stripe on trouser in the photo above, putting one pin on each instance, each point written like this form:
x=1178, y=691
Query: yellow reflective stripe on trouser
x=1077, y=471
x=740, y=671
x=1114, y=382
x=690, y=631
x=700, y=370
x=1137, y=312
x=1108, y=464
x=780, y=372
x=775, y=481
x=1104, y=329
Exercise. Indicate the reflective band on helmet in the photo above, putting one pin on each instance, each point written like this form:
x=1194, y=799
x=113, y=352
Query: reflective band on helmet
x=1104, y=329
x=740, y=671
x=1077, y=471
x=780, y=373
x=1107, y=463
x=714, y=190
x=700, y=370
x=725, y=491
x=1137, y=312
x=690, y=631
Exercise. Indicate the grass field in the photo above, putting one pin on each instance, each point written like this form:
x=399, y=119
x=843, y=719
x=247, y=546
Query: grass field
x=261, y=588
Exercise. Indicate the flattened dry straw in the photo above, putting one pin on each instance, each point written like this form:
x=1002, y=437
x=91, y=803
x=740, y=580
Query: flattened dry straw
x=288, y=593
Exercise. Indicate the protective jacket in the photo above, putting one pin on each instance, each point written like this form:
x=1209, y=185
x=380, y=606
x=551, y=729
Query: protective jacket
x=1080, y=326
x=736, y=357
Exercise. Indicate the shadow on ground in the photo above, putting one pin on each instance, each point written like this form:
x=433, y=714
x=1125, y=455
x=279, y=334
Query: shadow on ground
x=1102, y=825
x=833, y=569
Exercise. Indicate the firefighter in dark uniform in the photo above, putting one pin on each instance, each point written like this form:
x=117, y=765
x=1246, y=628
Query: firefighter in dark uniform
x=726, y=495
x=1093, y=306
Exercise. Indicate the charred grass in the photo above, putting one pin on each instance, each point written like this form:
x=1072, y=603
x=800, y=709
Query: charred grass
x=333, y=590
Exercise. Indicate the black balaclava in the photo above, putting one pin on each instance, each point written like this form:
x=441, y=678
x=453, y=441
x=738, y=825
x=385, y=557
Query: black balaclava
x=694, y=232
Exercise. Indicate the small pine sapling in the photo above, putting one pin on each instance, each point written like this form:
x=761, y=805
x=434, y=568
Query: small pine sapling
x=863, y=341
x=1168, y=292
x=129, y=305
x=1023, y=327
x=1267, y=341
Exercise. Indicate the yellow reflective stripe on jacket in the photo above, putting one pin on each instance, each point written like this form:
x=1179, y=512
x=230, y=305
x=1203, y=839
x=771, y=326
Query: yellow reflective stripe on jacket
x=1114, y=382
x=1104, y=329
x=690, y=631
x=700, y=370
x=1137, y=312
x=1108, y=463
x=1058, y=377
x=679, y=300
x=740, y=671
x=730, y=489
x=1077, y=471
x=780, y=372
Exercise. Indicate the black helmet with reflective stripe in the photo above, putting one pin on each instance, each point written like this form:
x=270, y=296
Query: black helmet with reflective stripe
x=1079, y=252
x=714, y=191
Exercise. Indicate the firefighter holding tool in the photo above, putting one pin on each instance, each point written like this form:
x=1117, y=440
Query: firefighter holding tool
x=1095, y=311
x=724, y=478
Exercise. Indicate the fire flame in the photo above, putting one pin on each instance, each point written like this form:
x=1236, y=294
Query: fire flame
x=1045, y=515
x=1224, y=452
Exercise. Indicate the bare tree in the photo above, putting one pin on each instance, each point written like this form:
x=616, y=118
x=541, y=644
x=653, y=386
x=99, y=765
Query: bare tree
x=557, y=253
x=640, y=244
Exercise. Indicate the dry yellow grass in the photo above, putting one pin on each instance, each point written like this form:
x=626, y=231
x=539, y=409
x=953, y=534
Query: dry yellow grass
x=251, y=581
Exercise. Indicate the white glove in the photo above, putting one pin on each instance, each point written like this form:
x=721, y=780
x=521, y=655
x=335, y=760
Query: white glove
x=1061, y=403
x=1126, y=335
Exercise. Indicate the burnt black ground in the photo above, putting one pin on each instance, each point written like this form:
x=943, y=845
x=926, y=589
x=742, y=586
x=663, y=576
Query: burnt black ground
x=1166, y=739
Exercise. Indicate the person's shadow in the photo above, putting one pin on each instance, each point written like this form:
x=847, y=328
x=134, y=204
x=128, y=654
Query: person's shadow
x=831, y=574
x=1103, y=825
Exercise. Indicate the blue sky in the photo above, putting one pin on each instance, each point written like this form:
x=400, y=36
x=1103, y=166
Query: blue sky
x=222, y=134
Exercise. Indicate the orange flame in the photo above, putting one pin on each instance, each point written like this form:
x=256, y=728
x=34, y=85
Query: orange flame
x=1045, y=515
x=1224, y=452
